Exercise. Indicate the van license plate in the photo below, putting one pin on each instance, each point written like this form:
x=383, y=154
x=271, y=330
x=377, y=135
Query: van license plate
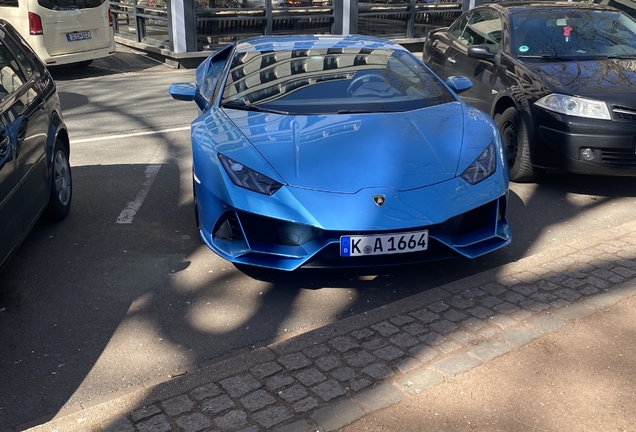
x=78, y=36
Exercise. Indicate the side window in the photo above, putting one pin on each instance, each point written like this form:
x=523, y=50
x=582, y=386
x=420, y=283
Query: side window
x=484, y=28
x=19, y=56
x=458, y=29
x=8, y=3
x=11, y=76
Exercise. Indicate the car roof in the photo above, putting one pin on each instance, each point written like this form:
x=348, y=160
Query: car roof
x=514, y=6
x=286, y=43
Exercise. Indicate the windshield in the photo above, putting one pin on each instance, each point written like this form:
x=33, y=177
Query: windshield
x=572, y=33
x=327, y=81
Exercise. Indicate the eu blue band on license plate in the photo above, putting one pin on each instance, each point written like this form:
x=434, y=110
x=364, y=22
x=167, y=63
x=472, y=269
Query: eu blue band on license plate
x=345, y=246
x=383, y=244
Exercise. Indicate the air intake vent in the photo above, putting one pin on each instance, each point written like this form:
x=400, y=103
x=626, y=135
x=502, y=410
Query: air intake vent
x=622, y=113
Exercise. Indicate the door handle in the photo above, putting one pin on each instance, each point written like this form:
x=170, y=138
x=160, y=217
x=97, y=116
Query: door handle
x=451, y=60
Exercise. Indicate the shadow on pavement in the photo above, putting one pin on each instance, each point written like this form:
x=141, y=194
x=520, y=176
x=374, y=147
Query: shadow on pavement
x=124, y=60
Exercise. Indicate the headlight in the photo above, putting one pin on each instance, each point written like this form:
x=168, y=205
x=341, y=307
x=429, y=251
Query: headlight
x=575, y=106
x=483, y=167
x=248, y=178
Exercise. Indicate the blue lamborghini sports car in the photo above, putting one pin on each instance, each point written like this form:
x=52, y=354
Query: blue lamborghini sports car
x=347, y=151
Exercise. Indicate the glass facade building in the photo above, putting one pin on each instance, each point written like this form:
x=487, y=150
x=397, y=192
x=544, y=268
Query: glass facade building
x=197, y=26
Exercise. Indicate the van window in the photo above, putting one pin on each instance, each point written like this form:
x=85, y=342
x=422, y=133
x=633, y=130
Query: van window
x=69, y=4
x=8, y=3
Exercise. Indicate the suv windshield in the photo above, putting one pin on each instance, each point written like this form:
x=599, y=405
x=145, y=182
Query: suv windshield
x=572, y=33
x=327, y=81
x=70, y=4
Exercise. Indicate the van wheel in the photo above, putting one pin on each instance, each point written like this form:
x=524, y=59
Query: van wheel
x=514, y=135
x=61, y=184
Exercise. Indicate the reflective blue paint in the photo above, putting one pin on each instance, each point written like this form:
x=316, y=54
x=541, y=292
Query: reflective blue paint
x=332, y=166
x=344, y=153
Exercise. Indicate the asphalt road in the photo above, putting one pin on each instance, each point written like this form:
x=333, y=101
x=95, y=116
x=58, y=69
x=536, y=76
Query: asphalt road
x=122, y=291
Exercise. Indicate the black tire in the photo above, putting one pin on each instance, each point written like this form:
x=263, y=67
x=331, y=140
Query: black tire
x=514, y=135
x=61, y=184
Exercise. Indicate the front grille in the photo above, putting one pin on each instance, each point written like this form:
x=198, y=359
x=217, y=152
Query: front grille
x=623, y=113
x=619, y=158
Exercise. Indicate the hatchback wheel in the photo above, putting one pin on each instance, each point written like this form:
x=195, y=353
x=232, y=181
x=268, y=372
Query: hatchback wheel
x=61, y=184
x=514, y=135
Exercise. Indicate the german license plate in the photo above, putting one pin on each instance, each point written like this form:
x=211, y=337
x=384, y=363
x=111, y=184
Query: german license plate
x=78, y=36
x=383, y=244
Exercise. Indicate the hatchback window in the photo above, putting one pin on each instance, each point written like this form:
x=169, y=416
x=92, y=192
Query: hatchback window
x=327, y=81
x=484, y=28
x=70, y=4
x=572, y=33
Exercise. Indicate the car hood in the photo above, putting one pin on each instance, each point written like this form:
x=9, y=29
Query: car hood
x=608, y=80
x=347, y=152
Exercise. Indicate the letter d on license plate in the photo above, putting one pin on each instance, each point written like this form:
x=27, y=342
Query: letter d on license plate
x=383, y=244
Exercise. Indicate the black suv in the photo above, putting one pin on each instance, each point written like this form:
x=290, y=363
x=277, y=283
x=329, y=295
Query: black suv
x=35, y=175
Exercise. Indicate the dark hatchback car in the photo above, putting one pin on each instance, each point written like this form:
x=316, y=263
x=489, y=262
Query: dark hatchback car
x=558, y=78
x=35, y=175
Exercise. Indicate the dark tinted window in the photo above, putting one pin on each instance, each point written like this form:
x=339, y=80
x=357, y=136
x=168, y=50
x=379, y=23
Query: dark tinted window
x=10, y=3
x=576, y=33
x=321, y=82
x=19, y=56
x=70, y=4
x=483, y=28
x=11, y=76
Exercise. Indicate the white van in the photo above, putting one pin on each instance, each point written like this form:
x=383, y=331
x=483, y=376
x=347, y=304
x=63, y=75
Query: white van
x=63, y=31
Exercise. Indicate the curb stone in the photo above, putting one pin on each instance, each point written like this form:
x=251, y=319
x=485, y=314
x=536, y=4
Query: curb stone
x=332, y=376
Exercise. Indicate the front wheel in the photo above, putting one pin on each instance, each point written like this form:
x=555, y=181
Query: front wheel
x=514, y=135
x=61, y=184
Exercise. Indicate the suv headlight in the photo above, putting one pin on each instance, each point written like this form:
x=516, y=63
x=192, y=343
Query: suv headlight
x=248, y=178
x=575, y=106
x=483, y=167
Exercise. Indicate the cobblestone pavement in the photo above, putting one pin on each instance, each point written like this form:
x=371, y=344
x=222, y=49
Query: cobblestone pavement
x=330, y=377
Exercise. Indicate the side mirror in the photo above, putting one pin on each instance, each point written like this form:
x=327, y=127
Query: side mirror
x=183, y=91
x=480, y=52
x=459, y=84
x=187, y=92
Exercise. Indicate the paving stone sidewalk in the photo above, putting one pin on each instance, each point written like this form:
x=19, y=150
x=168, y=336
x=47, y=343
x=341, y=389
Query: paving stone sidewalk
x=330, y=377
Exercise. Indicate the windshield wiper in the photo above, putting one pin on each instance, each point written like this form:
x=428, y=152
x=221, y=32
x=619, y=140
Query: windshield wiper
x=253, y=108
x=548, y=57
x=620, y=56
